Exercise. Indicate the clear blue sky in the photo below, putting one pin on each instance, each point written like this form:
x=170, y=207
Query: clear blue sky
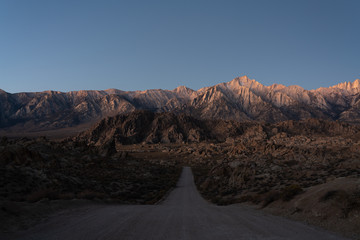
x=135, y=45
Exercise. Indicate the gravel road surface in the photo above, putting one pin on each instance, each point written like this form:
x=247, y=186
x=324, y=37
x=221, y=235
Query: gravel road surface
x=184, y=214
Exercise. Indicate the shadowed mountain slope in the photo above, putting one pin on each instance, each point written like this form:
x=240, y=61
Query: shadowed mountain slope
x=150, y=127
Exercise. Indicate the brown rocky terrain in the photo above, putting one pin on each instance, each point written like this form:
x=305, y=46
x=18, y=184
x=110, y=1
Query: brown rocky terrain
x=294, y=167
x=241, y=99
x=35, y=174
x=149, y=127
x=307, y=169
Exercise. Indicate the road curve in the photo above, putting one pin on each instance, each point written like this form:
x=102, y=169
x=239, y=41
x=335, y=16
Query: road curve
x=183, y=215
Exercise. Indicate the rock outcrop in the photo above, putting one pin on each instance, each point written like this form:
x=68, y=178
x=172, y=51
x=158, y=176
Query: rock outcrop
x=146, y=127
x=149, y=127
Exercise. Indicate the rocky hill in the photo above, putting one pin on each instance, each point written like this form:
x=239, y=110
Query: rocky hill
x=241, y=99
x=149, y=127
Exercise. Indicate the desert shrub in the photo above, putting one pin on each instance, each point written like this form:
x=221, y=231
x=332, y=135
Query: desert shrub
x=248, y=198
x=66, y=196
x=41, y=194
x=230, y=191
x=290, y=192
x=89, y=194
x=346, y=201
x=352, y=203
x=270, y=197
x=329, y=195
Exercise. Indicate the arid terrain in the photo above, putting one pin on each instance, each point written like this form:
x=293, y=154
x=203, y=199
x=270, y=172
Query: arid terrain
x=306, y=170
x=38, y=176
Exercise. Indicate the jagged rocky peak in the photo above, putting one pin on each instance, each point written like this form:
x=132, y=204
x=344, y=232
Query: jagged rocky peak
x=184, y=92
x=276, y=87
x=246, y=82
x=87, y=93
x=237, y=84
x=296, y=92
x=183, y=89
x=50, y=92
x=114, y=91
x=353, y=87
x=2, y=92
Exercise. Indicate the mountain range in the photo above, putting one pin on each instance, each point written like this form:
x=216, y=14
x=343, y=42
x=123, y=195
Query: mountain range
x=241, y=99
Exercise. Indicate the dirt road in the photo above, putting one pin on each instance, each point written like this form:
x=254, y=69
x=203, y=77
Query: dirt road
x=183, y=215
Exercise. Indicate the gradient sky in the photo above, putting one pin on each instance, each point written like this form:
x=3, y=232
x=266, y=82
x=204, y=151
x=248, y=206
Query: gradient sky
x=135, y=45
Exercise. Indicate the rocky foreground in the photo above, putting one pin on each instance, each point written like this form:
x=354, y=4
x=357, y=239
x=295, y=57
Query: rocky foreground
x=287, y=169
x=308, y=170
x=35, y=174
x=183, y=214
